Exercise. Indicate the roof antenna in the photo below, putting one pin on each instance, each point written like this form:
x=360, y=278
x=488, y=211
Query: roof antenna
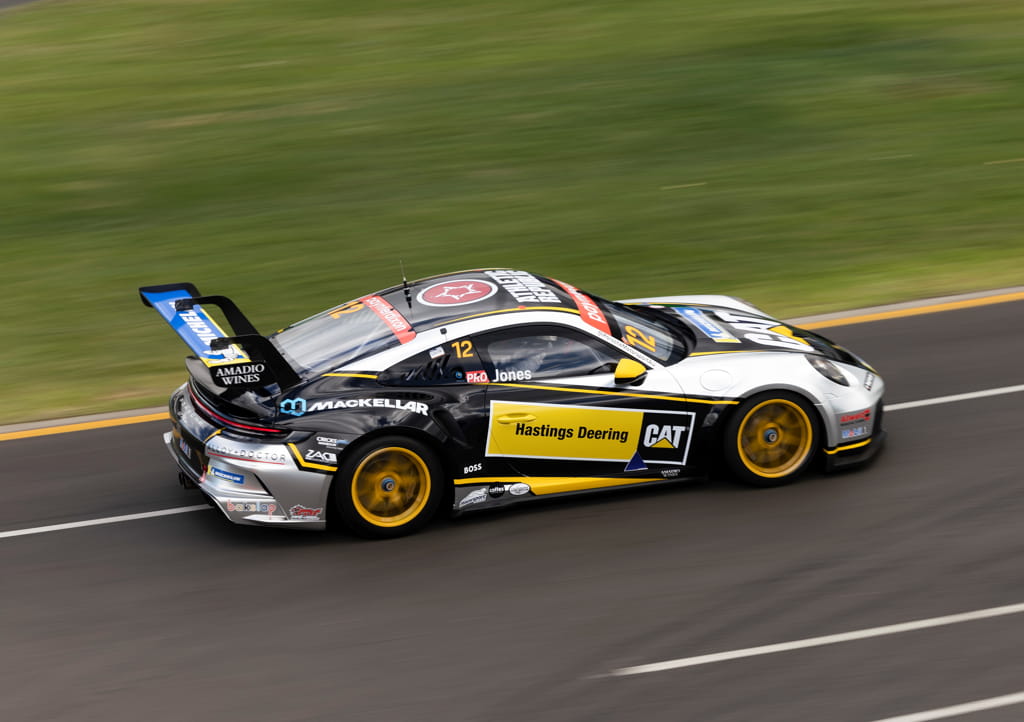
x=405, y=285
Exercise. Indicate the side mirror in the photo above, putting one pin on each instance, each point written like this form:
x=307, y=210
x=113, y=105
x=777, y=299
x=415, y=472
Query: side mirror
x=629, y=371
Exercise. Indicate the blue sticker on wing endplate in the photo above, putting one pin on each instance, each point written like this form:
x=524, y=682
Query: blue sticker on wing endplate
x=195, y=327
x=710, y=328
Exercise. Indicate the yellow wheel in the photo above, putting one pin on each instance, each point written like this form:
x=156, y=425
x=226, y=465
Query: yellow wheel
x=771, y=439
x=388, y=488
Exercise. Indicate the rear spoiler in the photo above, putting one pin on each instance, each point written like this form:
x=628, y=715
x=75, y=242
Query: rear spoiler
x=244, y=360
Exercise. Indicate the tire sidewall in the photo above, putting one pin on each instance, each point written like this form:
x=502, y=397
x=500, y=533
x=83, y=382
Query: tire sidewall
x=341, y=488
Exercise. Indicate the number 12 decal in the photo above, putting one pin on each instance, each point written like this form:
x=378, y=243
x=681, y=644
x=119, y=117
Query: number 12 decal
x=636, y=337
x=463, y=349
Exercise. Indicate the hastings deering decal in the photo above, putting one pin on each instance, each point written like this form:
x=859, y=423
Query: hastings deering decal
x=588, y=433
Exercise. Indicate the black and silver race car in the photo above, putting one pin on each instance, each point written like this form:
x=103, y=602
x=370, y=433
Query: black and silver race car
x=483, y=388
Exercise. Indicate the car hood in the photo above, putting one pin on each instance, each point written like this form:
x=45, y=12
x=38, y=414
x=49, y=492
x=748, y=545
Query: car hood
x=722, y=329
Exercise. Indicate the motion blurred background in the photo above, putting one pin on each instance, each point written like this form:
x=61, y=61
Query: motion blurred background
x=808, y=155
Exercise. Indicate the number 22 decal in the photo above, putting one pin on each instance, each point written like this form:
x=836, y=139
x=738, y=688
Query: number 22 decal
x=636, y=337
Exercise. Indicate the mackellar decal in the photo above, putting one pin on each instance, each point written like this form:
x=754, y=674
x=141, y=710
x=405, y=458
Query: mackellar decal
x=588, y=433
x=300, y=407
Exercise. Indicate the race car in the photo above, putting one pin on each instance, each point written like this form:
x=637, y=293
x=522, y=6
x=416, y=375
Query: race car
x=490, y=387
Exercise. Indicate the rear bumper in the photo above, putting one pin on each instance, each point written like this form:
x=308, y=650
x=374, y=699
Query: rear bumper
x=250, y=481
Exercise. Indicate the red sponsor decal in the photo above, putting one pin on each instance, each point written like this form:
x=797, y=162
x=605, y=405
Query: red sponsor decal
x=477, y=377
x=302, y=512
x=389, y=315
x=589, y=310
x=864, y=415
x=457, y=292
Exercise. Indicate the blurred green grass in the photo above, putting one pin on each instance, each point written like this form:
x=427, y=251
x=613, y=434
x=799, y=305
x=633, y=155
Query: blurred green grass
x=808, y=155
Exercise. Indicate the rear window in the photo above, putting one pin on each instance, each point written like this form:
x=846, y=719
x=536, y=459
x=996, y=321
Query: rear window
x=335, y=337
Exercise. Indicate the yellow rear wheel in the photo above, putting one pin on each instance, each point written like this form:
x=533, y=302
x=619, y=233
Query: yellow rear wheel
x=771, y=439
x=391, y=486
x=388, y=487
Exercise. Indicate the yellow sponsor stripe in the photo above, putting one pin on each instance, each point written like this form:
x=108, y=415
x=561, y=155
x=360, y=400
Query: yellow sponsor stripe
x=84, y=426
x=355, y=376
x=718, y=353
x=848, y=447
x=569, y=389
x=917, y=311
x=308, y=464
x=541, y=485
x=563, y=309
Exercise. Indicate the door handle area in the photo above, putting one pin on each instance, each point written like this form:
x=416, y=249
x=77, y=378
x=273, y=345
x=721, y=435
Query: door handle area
x=516, y=418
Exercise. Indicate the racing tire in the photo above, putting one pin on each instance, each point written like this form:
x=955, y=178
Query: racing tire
x=388, y=487
x=771, y=439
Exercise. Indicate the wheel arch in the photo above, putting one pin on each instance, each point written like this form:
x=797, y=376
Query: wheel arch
x=431, y=440
x=801, y=391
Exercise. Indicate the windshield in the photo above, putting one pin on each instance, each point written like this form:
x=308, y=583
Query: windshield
x=650, y=331
x=327, y=340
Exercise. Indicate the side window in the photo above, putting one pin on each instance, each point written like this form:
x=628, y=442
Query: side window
x=453, y=363
x=545, y=352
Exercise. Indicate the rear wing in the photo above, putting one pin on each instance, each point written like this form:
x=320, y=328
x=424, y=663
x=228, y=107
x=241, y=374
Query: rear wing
x=243, y=360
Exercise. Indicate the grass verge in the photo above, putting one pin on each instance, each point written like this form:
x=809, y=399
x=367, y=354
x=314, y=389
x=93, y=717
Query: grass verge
x=807, y=155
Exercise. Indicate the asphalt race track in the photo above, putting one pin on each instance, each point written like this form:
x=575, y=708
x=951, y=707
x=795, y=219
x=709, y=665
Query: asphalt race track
x=523, y=615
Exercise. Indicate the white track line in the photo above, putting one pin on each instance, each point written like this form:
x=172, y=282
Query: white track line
x=955, y=397
x=956, y=710
x=104, y=520
x=819, y=641
x=185, y=509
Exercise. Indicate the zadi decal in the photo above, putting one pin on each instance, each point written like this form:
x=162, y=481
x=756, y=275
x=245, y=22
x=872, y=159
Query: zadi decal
x=588, y=433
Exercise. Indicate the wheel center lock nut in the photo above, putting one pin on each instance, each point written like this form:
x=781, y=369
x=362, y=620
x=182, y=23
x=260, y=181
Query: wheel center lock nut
x=771, y=436
x=388, y=484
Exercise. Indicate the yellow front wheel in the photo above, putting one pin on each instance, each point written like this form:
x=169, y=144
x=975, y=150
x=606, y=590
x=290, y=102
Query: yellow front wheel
x=388, y=487
x=771, y=438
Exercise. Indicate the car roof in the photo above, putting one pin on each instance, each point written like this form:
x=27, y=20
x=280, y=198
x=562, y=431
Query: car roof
x=431, y=302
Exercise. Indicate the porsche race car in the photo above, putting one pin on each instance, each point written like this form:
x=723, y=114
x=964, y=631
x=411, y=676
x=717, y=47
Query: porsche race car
x=490, y=387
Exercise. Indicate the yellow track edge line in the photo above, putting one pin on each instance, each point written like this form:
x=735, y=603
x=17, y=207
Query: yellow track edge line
x=915, y=311
x=84, y=426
